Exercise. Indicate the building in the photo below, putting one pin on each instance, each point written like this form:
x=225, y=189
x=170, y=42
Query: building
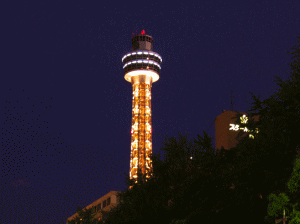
x=105, y=203
x=227, y=129
x=142, y=68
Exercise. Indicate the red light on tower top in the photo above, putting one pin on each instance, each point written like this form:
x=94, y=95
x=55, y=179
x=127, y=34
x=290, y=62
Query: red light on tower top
x=142, y=33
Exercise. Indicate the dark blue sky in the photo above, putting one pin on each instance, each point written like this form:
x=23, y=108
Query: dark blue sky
x=69, y=143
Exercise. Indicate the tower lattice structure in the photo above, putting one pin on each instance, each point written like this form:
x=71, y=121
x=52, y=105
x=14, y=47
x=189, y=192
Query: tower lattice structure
x=142, y=67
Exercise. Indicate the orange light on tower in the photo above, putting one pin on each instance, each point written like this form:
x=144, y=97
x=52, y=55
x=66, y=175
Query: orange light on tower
x=142, y=68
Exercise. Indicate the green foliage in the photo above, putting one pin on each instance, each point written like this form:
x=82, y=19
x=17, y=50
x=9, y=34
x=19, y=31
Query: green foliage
x=278, y=204
x=176, y=221
x=295, y=215
x=146, y=202
x=288, y=110
x=294, y=182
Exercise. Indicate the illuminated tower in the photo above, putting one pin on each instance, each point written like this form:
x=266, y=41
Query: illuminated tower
x=142, y=67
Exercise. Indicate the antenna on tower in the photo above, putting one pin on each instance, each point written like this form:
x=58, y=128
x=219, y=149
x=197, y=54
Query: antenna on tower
x=134, y=33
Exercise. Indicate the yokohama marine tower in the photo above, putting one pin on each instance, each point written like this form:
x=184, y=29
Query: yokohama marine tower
x=142, y=67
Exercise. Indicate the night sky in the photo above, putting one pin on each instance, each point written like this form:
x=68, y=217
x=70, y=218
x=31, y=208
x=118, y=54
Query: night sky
x=66, y=107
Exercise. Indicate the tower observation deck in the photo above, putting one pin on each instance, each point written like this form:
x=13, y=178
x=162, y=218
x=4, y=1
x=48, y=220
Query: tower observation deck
x=142, y=67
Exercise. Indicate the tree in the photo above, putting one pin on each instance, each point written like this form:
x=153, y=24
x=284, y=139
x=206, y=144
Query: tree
x=174, y=221
x=281, y=203
x=257, y=166
x=148, y=201
x=270, y=155
x=225, y=185
x=145, y=202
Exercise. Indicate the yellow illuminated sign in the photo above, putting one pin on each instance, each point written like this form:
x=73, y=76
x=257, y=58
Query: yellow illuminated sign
x=236, y=127
x=244, y=119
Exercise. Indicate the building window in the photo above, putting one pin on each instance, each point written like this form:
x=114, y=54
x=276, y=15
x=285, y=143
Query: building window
x=104, y=204
x=99, y=207
x=108, y=201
